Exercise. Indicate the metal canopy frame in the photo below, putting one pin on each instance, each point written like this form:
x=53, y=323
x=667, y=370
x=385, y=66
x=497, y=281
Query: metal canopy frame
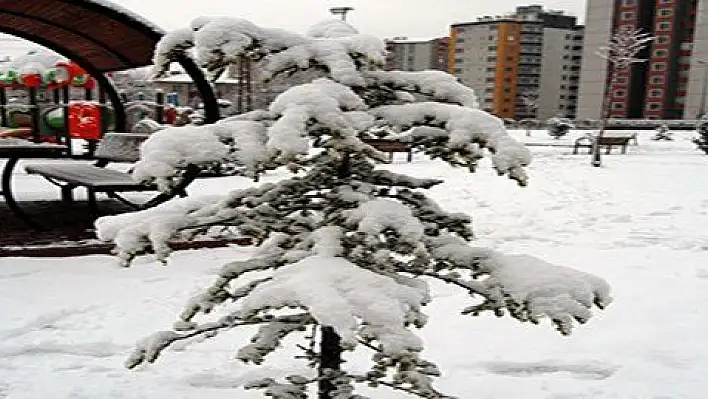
x=100, y=39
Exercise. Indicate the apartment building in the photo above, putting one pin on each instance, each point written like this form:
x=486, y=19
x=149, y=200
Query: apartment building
x=523, y=65
x=416, y=54
x=670, y=83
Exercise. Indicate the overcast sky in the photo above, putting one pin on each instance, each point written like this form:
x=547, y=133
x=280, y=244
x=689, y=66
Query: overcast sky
x=383, y=18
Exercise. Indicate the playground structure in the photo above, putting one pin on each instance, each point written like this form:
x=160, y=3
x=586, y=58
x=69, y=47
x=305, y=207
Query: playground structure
x=59, y=120
x=100, y=38
x=65, y=117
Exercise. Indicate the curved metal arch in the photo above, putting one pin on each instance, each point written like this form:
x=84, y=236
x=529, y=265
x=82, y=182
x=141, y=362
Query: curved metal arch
x=108, y=87
x=73, y=31
x=205, y=89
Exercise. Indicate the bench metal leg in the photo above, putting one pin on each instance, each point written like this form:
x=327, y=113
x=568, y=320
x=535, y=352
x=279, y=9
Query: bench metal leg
x=624, y=149
x=67, y=194
x=410, y=155
x=93, y=205
x=6, y=191
x=609, y=148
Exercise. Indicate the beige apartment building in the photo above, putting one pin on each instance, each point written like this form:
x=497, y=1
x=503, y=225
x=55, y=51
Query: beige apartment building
x=406, y=54
x=523, y=65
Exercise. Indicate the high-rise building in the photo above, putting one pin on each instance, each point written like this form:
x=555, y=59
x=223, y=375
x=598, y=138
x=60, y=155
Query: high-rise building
x=523, y=65
x=416, y=54
x=669, y=84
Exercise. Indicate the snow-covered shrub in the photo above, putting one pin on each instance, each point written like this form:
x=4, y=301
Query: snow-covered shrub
x=346, y=248
x=559, y=127
x=663, y=133
x=702, y=140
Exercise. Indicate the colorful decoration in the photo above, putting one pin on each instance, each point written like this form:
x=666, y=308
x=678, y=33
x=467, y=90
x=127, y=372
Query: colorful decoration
x=31, y=80
x=85, y=120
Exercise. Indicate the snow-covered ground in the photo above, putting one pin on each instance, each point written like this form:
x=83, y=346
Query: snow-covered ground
x=640, y=221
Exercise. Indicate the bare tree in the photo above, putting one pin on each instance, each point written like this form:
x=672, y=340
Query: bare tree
x=621, y=52
x=530, y=100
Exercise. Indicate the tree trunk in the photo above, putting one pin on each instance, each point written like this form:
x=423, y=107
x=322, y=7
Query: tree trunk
x=330, y=358
x=330, y=347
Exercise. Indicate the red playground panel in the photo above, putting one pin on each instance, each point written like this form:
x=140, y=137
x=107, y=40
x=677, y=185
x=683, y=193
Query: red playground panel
x=85, y=121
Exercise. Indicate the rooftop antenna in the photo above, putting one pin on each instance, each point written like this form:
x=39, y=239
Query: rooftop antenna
x=342, y=11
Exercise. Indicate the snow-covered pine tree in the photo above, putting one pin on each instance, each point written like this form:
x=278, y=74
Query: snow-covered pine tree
x=559, y=127
x=702, y=140
x=345, y=248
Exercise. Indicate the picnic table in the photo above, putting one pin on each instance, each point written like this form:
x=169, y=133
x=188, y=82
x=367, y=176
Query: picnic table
x=13, y=150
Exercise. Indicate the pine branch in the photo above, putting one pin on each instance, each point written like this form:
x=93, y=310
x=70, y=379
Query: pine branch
x=397, y=387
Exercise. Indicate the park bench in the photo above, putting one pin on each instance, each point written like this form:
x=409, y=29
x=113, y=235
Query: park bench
x=607, y=140
x=391, y=146
x=96, y=178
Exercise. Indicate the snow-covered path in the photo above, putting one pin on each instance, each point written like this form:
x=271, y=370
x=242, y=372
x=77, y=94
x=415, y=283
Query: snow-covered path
x=640, y=222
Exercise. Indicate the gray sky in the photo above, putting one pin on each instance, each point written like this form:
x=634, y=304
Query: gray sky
x=383, y=18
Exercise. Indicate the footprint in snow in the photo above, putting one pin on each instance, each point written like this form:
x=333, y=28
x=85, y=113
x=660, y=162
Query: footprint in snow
x=591, y=370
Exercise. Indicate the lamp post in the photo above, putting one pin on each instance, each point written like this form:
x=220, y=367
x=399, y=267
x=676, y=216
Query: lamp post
x=341, y=11
x=702, y=106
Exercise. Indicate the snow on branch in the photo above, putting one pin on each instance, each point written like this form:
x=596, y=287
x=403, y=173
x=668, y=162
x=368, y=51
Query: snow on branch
x=468, y=131
x=172, y=45
x=338, y=293
x=624, y=46
x=440, y=85
x=528, y=287
x=219, y=42
x=324, y=101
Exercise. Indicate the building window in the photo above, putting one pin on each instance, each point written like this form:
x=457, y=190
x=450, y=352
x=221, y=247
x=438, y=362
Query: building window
x=658, y=66
x=627, y=16
x=491, y=37
x=661, y=53
x=619, y=93
x=617, y=105
x=493, y=27
x=491, y=59
x=653, y=106
x=492, y=48
x=662, y=39
x=657, y=80
x=656, y=93
x=663, y=26
x=665, y=12
x=459, y=50
x=629, y=3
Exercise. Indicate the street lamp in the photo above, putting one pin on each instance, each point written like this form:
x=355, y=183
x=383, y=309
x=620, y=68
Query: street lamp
x=341, y=11
x=702, y=106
